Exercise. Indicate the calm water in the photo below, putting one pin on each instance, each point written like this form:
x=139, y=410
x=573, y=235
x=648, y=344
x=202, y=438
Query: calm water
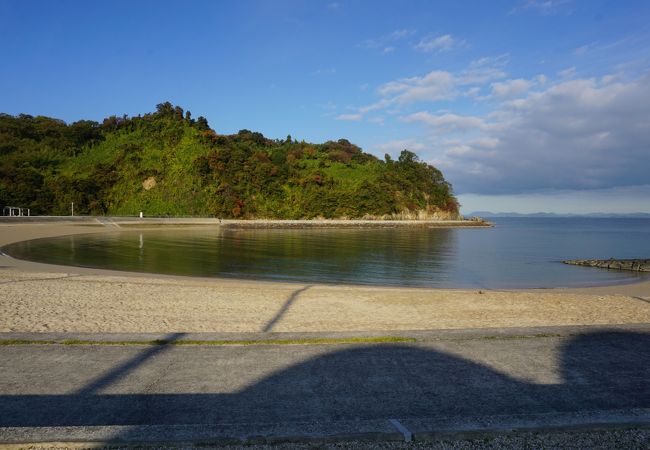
x=517, y=253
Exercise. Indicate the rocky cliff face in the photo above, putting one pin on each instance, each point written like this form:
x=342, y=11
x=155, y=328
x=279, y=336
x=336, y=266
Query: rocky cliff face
x=421, y=214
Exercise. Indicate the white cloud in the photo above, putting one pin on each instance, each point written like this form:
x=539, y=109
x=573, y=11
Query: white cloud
x=511, y=88
x=630, y=43
x=480, y=75
x=437, y=85
x=578, y=134
x=396, y=146
x=606, y=79
x=545, y=7
x=436, y=44
x=491, y=61
x=402, y=34
x=472, y=92
x=447, y=121
x=485, y=142
x=389, y=49
x=350, y=117
x=374, y=106
x=385, y=41
x=568, y=73
x=561, y=133
x=582, y=50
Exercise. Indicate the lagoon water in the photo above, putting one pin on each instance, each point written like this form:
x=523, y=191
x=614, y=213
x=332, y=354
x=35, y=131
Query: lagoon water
x=517, y=253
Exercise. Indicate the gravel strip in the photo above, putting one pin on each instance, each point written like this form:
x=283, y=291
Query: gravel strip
x=595, y=440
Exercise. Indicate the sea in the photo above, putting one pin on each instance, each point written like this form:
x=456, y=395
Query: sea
x=518, y=252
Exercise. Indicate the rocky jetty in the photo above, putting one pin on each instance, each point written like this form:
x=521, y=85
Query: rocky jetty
x=637, y=265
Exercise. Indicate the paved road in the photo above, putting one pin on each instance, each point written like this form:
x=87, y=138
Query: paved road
x=442, y=383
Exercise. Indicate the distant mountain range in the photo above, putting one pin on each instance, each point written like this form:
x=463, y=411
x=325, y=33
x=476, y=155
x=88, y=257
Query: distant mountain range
x=488, y=214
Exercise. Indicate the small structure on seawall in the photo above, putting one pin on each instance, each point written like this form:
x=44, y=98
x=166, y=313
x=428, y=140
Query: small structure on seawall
x=637, y=265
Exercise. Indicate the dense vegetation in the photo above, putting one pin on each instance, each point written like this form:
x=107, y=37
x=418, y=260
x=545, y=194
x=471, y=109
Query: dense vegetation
x=167, y=163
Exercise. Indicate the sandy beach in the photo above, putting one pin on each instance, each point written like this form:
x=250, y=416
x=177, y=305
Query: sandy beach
x=46, y=298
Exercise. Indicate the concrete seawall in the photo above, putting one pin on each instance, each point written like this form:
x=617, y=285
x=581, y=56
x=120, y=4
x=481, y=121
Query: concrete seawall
x=637, y=265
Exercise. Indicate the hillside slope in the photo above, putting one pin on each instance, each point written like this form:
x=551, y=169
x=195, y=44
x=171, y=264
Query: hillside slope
x=167, y=164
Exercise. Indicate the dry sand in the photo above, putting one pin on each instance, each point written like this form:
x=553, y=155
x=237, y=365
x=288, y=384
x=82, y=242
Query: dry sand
x=45, y=298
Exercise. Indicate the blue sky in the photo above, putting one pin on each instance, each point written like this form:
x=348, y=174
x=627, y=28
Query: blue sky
x=525, y=105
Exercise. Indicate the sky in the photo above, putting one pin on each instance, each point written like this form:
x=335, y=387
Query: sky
x=525, y=105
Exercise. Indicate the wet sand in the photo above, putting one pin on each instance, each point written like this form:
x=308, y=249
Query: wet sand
x=46, y=298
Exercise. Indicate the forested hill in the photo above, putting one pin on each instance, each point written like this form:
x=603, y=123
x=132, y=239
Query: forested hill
x=168, y=164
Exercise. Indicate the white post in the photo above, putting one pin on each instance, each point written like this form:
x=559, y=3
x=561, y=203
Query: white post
x=72, y=208
x=141, y=217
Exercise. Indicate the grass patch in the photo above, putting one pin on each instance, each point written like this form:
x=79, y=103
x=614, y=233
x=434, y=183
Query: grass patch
x=314, y=341
x=499, y=337
x=25, y=342
x=306, y=341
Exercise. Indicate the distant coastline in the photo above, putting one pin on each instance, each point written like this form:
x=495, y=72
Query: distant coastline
x=596, y=215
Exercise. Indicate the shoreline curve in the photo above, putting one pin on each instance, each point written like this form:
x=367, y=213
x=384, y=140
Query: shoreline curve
x=38, y=297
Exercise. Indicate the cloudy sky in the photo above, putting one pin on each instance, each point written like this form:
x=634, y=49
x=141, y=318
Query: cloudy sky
x=525, y=105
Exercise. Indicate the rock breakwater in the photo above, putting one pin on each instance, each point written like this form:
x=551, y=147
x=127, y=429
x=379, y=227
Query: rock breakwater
x=637, y=265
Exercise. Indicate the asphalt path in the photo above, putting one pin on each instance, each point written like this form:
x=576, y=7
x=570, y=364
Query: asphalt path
x=445, y=383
